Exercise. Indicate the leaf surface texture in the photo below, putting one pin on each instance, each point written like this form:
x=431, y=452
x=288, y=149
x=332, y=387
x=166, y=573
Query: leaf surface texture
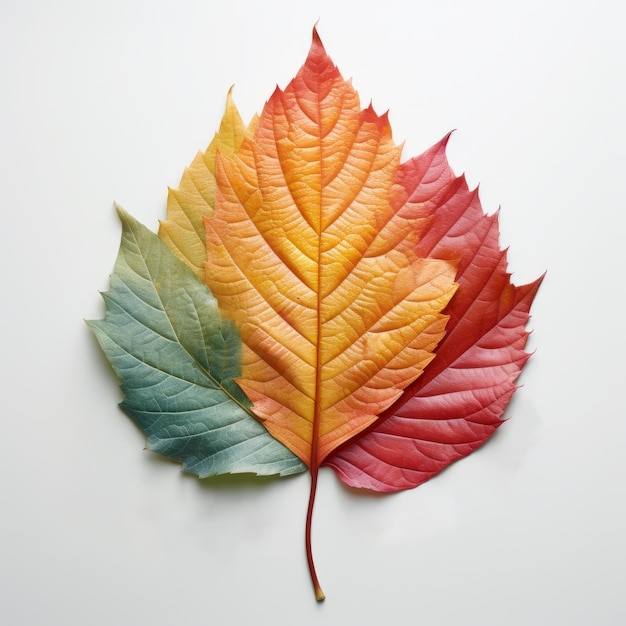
x=307, y=256
x=177, y=359
x=459, y=401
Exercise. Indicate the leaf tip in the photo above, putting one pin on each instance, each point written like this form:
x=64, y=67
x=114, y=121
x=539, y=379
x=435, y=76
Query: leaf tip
x=446, y=138
x=230, y=100
x=316, y=40
x=121, y=212
x=315, y=34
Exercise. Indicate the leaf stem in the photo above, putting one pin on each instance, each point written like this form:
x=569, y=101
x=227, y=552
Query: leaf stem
x=319, y=594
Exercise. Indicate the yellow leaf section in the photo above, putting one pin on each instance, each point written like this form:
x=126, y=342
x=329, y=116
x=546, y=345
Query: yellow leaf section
x=307, y=255
x=194, y=199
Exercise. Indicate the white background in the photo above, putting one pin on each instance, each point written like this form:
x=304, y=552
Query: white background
x=104, y=101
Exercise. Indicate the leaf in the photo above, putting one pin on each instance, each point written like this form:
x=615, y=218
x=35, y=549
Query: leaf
x=459, y=401
x=194, y=199
x=177, y=359
x=306, y=254
x=365, y=307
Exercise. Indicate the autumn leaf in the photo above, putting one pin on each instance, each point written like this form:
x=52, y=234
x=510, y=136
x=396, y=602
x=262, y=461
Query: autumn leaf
x=336, y=310
x=458, y=403
x=194, y=198
x=366, y=318
x=177, y=359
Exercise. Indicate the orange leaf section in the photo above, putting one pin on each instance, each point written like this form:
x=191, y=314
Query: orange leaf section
x=306, y=254
x=194, y=199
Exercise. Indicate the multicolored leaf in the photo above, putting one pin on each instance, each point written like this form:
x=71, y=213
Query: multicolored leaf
x=458, y=403
x=177, y=359
x=337, y=312
x=365, y=307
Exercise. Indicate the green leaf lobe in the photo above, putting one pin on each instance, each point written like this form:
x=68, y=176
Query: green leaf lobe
x=177, y=359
